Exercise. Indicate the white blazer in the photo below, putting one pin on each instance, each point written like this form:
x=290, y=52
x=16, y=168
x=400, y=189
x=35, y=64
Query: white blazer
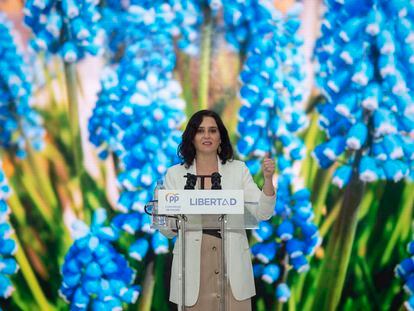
x=235, y=175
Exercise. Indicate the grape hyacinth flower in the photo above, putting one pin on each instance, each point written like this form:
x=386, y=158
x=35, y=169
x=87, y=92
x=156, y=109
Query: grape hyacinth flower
x=138, y=122
x=243, y=19
x=94, y=274
x=69, y=28
x=282, y=292
x=364, y=57
x=138, y=21
x=271, y=116
x=290, y=237
x=137, y=119
x=124, y=22
x=20, y=123
x=405, y=271
x=8, y=247
x=272, y=94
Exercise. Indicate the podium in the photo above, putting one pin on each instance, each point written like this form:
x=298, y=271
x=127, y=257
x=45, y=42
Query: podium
x=191, y=212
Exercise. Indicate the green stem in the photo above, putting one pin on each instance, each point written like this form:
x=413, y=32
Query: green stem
x=299, y=287
x=205, y=61
x=369, y=209
x=332, y=276
x=369, y=197
x=320, y=190
x=40, y=176
x=330, y=219
x=407, y=210
x=30, y=278
x=148, y=288
x=323, y=230
x=310, y=142
x=41, y=205
x=71, y=83
x=365, y=276
x=405, y=215
x=292, y=302
x=18, y=209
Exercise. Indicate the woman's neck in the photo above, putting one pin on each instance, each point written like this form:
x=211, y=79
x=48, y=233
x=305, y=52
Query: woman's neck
x=206, y=163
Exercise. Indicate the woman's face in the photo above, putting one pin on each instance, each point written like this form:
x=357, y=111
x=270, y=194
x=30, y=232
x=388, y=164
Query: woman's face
x=207, y=138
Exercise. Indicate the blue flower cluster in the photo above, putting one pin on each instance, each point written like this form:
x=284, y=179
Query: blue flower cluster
x=94, y=274
x=244, y=19
x=137, y=118
x=366, y=58
x=288, y=239
x=405, y=271
x=124, y=22
x=188, y=18
x=8, y=246
x=272, y=95
x=20, y=123
x=68, y=27
x=271, y=116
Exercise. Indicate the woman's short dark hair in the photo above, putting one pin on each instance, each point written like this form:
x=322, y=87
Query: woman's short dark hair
x=187, y=151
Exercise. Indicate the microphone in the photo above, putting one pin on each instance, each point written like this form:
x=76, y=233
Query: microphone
x=191, y=181
x=216, y=181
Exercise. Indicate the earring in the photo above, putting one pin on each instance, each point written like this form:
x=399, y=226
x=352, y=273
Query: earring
x=219, y=149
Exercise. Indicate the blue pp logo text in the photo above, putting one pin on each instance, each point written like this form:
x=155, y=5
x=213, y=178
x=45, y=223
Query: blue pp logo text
x=171, y=197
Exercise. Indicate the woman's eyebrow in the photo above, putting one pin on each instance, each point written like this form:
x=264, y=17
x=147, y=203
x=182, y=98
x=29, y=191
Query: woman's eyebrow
x=210, y=127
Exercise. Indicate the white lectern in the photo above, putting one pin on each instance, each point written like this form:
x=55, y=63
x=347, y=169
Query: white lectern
x=197, y=210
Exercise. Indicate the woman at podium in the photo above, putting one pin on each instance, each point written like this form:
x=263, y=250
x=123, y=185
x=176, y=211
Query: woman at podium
x=205, y=149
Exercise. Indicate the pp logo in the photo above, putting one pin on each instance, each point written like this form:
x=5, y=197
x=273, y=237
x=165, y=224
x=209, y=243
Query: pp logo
x=171, y=197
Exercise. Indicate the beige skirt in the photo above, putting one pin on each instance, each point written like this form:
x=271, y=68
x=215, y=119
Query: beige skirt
x=210, y=280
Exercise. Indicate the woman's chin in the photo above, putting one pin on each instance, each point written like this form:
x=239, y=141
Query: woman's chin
x=207, y=150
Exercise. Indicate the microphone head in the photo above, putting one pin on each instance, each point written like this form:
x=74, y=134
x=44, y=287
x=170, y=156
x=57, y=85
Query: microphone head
x=216, y=180
x=191, y=181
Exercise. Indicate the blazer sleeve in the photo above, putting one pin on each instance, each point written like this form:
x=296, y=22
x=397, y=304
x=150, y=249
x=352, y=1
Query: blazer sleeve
x=252, y=193
x=169, y=184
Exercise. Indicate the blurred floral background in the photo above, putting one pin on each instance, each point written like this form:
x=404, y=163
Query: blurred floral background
x=94, y=96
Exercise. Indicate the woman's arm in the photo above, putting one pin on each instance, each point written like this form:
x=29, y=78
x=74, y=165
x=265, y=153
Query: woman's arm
x=266, y=198
x=268, y=168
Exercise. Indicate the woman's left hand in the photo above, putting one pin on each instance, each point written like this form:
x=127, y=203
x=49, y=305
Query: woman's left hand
x=268, y=168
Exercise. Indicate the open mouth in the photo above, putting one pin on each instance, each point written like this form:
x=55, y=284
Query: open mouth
x=207, y=143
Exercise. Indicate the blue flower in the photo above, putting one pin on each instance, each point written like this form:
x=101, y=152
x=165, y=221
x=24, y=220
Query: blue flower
x=8, y=247
x=21, y=125
x=270, y=119
x=357, y=136
x=295, y=235
x=405, y=271
x=94, y=273
x=366, y=113
x=264, y=232
x=282, y=292
x=69, y=28
x=265, y=252
x=342, y=176
x=368, y=169
x=272, y=78
x=139, y=113
x=285, y=230
x=139, y=249
x=159, y=243
x=294, y=248
x=270, y=273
